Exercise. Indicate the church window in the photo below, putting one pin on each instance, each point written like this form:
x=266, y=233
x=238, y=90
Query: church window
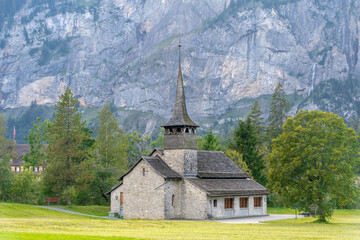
x=243, y=202
x=121, y=198
x=215, y=203
x=172, y=200
x=229, y=203
x=257, y=201
x=187, y=130
x=144, y=171
x=178, y=130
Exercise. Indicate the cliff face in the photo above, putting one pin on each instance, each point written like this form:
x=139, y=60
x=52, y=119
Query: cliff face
x=125, y=52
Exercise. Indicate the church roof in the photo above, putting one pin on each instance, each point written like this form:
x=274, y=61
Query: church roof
x=215, y=164
x=223, y=187
x=162, y=168
x=113, y=188
x=180, y=116
x=20, y=150
x=159, y=166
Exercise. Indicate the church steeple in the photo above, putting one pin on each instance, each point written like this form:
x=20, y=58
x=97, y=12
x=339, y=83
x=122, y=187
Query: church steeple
x=181, y=128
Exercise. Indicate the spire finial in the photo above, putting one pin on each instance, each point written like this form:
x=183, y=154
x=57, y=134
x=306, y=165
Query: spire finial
x=179, y=51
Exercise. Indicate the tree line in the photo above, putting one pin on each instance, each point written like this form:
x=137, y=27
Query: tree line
x=308, y=161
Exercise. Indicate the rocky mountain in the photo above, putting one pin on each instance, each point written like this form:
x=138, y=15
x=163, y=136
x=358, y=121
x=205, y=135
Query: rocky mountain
x=233, y=51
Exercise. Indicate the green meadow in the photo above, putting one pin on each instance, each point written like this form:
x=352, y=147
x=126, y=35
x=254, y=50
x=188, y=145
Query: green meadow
x=18, y=221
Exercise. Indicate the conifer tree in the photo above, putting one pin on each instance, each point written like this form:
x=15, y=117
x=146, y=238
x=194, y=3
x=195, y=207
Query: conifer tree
x=257, y=120
x=110, y=152
x=67, y=155
x=279, y=109
x=210, y=142
x=245, y=142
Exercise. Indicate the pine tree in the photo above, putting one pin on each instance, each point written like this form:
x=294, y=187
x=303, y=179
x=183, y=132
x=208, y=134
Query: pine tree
x=245, y=142
x=256, y=119
x=279, y=109
x=210, y=142
x=110, y=152
x=67, y=154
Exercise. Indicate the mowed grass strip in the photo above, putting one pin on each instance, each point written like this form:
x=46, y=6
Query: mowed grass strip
x=28, y=222
x=91, y=210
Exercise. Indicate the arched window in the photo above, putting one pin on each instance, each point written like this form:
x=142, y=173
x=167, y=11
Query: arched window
x=172, y=200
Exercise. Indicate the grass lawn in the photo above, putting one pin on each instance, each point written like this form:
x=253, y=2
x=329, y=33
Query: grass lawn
x=19, y=221
x=91, y=210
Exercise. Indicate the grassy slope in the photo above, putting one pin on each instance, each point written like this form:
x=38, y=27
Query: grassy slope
x=92, y=210
x=28, y=222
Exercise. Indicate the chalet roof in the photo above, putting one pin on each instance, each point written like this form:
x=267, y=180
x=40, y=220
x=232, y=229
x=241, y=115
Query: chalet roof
x=180, y=116
x=20, y=150
x=113, y=188
x=215, y=164
x=159, y=166
x=223, y=187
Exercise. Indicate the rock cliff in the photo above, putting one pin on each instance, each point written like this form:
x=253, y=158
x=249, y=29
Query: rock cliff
x=125, y=52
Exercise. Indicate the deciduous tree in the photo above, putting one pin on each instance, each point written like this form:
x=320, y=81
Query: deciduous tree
x=37, y=140
x=6, y=153
x=110, y=152
x=313, y=161
x=138, y=146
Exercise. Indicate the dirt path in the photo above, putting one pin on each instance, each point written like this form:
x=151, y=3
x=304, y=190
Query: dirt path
x=260, y=219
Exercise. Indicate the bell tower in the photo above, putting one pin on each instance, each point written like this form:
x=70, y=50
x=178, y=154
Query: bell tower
x=180, y=140
x=180, y=130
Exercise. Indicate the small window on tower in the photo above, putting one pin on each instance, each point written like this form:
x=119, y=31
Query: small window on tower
x=178, y=130
x=173, y=200
x=215, y=203
x=144, y=171
x=187, y=130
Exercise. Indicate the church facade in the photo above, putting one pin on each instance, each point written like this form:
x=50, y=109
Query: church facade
x=181, y=182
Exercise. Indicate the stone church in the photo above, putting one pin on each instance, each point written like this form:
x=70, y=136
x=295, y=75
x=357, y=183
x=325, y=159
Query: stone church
x=181, y=182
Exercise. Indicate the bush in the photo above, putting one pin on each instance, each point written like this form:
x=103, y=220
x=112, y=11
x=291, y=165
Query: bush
x=27, y=188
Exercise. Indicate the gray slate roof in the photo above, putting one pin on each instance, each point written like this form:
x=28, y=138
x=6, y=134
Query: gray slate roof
x=223, y=187
x=162, y=168
x=159, y=166
x=180, y=116
x=215, y=164
x=20, y=150
x=113, y=188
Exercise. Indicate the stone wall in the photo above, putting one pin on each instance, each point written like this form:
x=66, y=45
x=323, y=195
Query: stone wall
x=182, y=161
x=195, y=201
x=115, y=200
x=173, y=209
x=143, y=195
x=220, y=212
x=175, y=160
